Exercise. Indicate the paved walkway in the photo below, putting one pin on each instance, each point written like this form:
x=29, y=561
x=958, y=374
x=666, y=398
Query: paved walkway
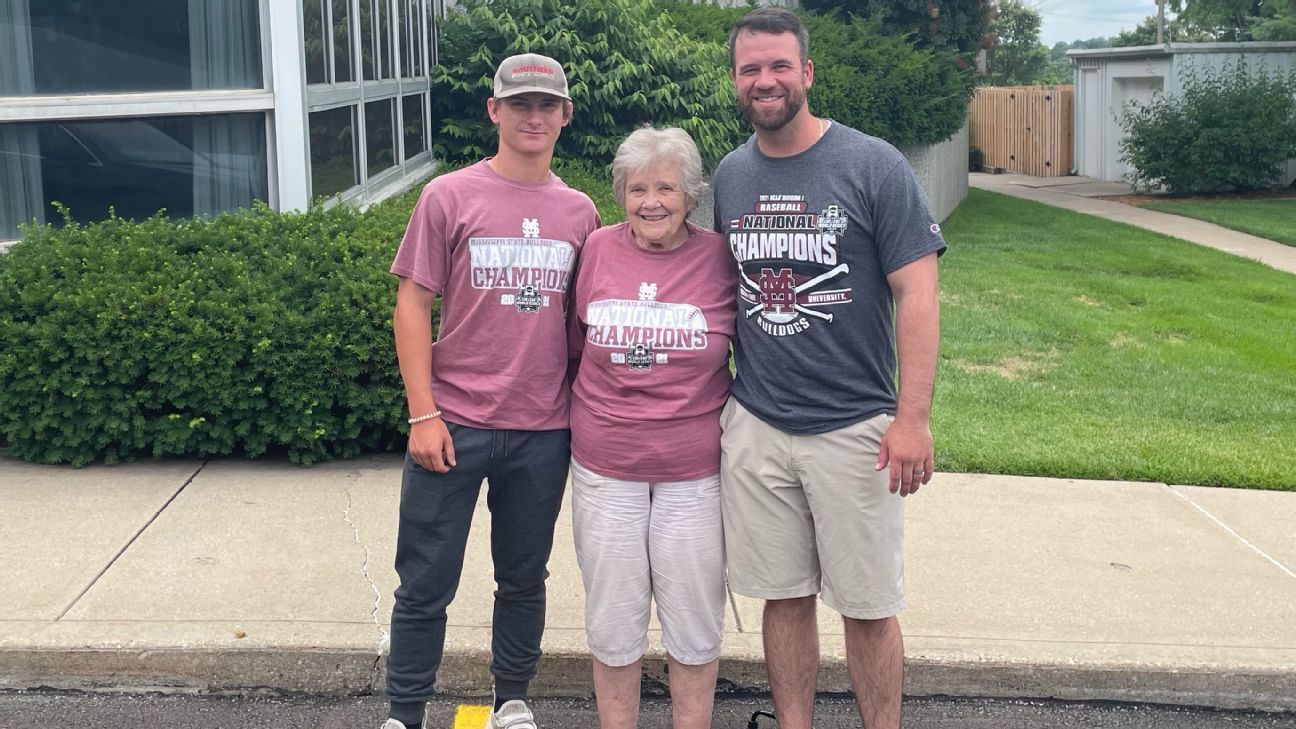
x=1080, y=194
x=232, y=575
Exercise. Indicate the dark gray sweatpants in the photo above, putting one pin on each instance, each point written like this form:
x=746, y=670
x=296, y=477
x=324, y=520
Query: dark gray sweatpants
x=526, y=472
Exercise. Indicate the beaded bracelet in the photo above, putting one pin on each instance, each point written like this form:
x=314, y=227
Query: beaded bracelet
x=421, y=418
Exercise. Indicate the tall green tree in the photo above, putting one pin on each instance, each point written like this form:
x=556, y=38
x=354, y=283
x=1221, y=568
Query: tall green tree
x=1240, y=20
x=960, y=25
x=1281, y=26
x=1059, y=64
x=1018, y=58
x=1178, y=30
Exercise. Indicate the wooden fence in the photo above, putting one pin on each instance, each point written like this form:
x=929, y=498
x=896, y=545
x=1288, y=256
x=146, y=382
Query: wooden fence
x=1025, y=129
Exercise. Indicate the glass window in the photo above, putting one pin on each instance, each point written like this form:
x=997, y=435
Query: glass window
x=415, y=134
x=316, y=41
x=402, y=36
x=57, y=47
x=415, y=40
x=343, y=64
x=384, y=40
x=368, y=59
x=185, y=165
x=380, y=141
x=333, y=152
x=433, y=13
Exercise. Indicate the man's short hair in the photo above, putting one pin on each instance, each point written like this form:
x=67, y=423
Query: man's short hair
x=771, y=20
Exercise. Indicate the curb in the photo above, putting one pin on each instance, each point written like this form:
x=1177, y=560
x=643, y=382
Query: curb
x=465, y=674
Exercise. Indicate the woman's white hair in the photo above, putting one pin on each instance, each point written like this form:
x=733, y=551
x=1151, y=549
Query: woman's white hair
x=647, y=148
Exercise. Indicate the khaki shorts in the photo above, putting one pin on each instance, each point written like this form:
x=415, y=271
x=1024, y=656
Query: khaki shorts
x=807, y=514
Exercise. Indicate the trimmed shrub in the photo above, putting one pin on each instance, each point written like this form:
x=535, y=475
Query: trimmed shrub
x=595, y=181
x=250, y=333
x=626, y=65
x=1228, y=130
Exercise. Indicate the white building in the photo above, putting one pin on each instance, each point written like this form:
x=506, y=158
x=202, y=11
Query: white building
x=1108, y=79
x=202, y=106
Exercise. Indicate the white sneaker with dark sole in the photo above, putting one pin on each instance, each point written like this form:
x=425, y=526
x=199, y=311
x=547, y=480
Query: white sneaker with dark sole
x=398, y=724
x=513, y=714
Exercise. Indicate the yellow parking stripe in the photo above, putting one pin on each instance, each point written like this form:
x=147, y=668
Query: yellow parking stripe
x=468, y=716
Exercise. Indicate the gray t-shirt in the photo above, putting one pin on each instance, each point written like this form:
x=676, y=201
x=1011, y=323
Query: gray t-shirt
x=815, y=235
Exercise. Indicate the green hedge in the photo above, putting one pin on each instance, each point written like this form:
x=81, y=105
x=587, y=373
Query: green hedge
x=251, y=333
x=867, y=77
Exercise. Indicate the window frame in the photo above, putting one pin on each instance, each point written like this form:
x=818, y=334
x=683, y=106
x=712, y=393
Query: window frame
x=143, y=104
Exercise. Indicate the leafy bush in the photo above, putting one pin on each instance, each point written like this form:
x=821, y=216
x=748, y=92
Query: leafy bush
x=250, y=333
x=1228, y=130
x=865, y=77
x=626, y=64
x=595, y=181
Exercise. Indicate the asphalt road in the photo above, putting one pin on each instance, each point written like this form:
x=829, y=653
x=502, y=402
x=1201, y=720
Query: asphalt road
x=25, y=710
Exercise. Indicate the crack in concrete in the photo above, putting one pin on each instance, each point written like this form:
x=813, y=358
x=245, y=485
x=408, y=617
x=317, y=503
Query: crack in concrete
x=131, y=541
x=1229, y=529
x=364, y=569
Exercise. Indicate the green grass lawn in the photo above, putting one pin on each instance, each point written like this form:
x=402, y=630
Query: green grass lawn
x=1077, y=347
x=1272, y=219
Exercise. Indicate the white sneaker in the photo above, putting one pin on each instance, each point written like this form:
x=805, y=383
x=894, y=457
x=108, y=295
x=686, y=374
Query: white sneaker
x=396, y=724
x=513, y=714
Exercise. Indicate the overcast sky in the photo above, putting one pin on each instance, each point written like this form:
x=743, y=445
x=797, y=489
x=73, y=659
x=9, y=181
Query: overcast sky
x=1069, y=20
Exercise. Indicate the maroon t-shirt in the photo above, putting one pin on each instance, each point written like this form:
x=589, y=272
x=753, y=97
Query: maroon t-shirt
x=500, y=252
x=654, y=370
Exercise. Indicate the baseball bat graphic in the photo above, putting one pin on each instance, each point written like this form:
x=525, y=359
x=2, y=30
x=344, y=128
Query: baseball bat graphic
x=813, y=312
x=841, y=269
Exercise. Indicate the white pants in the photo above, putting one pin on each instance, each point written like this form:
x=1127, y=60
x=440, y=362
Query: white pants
x=636, y=541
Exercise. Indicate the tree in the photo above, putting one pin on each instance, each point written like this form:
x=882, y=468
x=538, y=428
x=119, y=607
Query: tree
x=626, y=63
x=960, y=25
x=1059, y=69
x=1280, y=27
x=1018, y=58
x=1179, y=30
x=1240, y=20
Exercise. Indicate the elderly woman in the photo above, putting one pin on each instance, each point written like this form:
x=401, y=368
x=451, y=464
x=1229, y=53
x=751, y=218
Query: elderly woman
x=653, y=312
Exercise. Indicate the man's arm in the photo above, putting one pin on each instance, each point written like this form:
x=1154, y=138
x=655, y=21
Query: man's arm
x=430, y=444
x=907, y=445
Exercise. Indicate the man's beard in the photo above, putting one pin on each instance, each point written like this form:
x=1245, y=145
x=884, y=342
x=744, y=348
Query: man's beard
x=773, y=120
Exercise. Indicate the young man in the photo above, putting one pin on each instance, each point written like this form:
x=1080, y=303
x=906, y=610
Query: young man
x=497, y=241
x=831, y=231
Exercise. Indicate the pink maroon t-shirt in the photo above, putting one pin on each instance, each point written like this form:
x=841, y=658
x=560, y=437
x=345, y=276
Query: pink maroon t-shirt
x=500, y=253
x=653, y=333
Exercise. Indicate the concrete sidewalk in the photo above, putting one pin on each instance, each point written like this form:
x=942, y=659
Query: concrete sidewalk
x=233, y=575
x=1081, y=194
